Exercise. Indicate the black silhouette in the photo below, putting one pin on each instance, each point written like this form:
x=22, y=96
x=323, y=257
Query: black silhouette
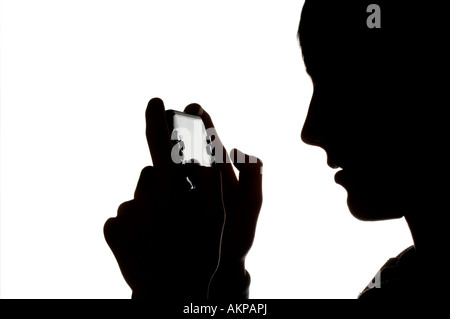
x=377, y=112
x=374, y=112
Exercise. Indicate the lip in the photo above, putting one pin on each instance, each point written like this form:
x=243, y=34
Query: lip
x=332, y=160
x=331, y=163
x=339, y=177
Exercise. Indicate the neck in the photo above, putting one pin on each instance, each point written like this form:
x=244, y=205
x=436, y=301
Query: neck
x=428, y=233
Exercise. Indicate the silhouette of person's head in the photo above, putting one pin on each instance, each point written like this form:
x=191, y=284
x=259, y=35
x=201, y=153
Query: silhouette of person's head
x=374, y=108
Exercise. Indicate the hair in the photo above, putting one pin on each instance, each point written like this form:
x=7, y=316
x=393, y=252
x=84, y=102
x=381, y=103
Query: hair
x=403, y=53
x=341, y=27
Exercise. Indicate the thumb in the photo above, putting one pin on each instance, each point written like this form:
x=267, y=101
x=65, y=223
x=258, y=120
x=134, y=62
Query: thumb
x=250, y=177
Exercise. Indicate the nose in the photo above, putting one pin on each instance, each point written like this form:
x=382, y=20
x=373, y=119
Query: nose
x=309, y=136
x=313, y=130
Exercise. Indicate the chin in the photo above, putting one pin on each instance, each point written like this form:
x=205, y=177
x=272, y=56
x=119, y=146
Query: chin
x=373, y=206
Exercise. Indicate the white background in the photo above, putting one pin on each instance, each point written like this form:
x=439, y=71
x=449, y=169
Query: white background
x=76, y=77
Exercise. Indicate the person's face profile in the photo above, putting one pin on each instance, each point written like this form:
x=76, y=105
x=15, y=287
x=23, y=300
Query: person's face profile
x=356, y=116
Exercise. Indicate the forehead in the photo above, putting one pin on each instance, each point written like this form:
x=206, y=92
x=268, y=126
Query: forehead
x=337, y=27
x=332, y=47
x=318, y=43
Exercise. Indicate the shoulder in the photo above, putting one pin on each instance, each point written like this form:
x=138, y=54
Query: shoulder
x=400, y=277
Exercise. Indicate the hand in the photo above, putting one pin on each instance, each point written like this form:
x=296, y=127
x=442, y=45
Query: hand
x=167, y=239
x=242, y=201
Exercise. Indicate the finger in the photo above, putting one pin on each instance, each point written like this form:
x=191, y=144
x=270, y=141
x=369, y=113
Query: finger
x=250, y=178
x=209, y=184
x=155, y=189
x=208, y=198
x=223, y=162
x=157, y=132
x=113, y=228
x=146, y=183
